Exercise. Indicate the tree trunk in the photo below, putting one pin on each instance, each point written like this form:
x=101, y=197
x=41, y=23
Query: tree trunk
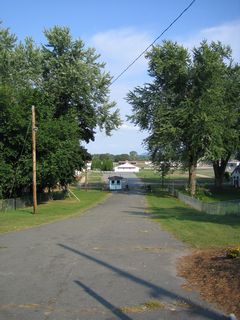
x=219, y=168
x=192, y=177
x=163, y=174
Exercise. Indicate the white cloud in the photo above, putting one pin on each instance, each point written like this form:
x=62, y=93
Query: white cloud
x=128, y=127
x=227, y=33
x=120, y=47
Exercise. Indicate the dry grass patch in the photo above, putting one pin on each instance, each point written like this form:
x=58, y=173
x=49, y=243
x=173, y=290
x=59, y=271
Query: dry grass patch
x=147, y=306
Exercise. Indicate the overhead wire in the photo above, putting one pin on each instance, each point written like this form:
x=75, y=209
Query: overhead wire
x=144, y=51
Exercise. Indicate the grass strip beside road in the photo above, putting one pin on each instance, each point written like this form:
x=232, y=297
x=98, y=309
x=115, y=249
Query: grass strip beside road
x=50, y=211
x=198, y=229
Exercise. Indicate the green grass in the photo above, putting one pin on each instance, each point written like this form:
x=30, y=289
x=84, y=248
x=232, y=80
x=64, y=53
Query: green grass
x=50, y=211
x=227, y=193
x=206, y=172
x=94, y=177
x=152, y=176
x=198, y=229
x=149, y=176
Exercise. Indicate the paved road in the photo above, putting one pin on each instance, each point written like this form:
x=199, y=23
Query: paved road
x=102, y=265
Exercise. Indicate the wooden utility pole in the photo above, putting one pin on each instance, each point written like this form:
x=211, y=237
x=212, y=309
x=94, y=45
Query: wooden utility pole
x=86, y=176
x=34, y=160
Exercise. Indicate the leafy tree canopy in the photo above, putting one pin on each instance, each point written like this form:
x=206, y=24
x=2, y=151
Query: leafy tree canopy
x=186, y=106
x=70, y=89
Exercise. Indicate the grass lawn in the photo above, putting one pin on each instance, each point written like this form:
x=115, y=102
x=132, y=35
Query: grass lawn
x=152, y=176
x=50, y=211
x=206, y=172
x=227, y=193
x=94, y=176
x=205, y=179
x=198, y=229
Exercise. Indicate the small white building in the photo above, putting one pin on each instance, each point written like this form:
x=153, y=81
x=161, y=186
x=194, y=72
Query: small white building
x=115, y=183
x=88, y=165
x=126, y=167
x=236, y=177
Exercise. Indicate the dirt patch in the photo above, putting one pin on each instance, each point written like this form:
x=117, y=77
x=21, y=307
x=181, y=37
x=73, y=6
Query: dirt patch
x=216, y=277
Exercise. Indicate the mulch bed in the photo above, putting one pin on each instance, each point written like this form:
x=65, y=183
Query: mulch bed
x=216, y=277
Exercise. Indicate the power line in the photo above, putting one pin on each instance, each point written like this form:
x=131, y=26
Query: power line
x=164, y=31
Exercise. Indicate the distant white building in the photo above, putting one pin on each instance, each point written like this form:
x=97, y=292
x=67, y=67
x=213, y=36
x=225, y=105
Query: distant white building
x=148, y=163
x=89, y=165
x=77, y=173
x=126, y=167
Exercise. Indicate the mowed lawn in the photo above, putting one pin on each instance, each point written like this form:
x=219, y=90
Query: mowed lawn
x=153, y=176
x=196, y=228
x=50, y=211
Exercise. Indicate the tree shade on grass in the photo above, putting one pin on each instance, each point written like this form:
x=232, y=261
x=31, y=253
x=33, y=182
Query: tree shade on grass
x=50, y=211
x=198, y=229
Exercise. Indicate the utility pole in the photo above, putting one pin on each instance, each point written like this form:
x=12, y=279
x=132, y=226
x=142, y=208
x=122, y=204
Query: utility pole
x=34, y=160
x=86, y=176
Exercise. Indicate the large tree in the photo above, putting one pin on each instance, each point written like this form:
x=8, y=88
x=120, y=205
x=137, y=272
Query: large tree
x=230, y=138
x=182, y=108
x=74, y=80
x=70, y=89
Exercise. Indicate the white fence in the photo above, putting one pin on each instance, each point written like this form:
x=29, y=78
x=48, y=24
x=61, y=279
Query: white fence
x=221, y=208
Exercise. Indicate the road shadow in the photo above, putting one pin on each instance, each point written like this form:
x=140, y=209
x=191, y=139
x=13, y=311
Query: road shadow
x=190, y=214
x=183, y=213
x=156, y=292
x=103, y=301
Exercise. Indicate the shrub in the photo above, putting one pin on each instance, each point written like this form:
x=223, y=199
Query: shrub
x=233, y=253
x=227, y=176
x=202, y=192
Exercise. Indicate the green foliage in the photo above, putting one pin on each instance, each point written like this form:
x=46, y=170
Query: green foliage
x=227, y=176
x=102, y=163
x=233, y=253
x=186, y=108
x=133, y=155
x=74, y=80
x=107, y=165
x=196, y=228
x=50, y=211
x=96, y=163
x=237, y=155
x=121, y=157
x=68, y=86
x=202, y=192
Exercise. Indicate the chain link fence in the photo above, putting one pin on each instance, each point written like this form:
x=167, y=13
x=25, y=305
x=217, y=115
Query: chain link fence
x=27, y=201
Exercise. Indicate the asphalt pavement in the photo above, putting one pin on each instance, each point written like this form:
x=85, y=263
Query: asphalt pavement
x=113, y=262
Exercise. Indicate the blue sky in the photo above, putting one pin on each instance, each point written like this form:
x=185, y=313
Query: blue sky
x=120, y=30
